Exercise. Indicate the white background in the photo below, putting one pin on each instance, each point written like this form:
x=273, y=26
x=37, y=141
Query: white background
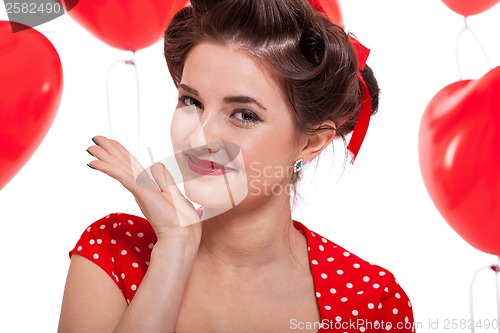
x=379, y=209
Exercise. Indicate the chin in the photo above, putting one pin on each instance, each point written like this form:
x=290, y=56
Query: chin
x=211, y=192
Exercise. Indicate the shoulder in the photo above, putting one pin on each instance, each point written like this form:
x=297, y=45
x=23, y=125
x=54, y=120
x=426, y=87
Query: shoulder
x=121, y=245
x=348, y=286
x=336, y=263
x=336, y=260
x=120, y=229
x=118, y=223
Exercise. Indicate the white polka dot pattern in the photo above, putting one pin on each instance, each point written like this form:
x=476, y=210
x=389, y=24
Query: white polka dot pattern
x=354, y=290
x=347, y=288
x=121, y=245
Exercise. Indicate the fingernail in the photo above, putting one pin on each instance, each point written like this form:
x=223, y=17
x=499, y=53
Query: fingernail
x=89, y=153
x=95, y=141
x=91, y=166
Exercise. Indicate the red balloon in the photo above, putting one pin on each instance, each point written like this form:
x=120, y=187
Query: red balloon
x=470, y=7
x=31, y=81
x=329, y=7
x=126, y=24
x=459, y=152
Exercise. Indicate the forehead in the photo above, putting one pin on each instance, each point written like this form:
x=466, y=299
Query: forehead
x=226, y=68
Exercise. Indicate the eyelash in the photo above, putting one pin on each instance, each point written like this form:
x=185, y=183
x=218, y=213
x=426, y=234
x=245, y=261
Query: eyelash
x=184, y=100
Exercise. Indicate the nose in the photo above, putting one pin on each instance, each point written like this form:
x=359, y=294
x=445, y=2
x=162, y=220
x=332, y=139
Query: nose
x=206, y=133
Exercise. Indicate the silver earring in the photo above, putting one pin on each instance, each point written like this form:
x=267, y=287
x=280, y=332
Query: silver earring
x=297, y=165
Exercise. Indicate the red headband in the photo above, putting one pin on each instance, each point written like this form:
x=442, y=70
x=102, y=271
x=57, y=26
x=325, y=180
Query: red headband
x=365, y=112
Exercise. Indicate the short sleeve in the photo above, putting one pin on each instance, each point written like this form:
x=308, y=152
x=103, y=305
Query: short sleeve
x=94, y=245
x=394, y=312
x=121, y=245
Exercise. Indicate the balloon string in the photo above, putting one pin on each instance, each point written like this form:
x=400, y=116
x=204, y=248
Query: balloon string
x=466, y=28
x=495, y=269
x=134, y=65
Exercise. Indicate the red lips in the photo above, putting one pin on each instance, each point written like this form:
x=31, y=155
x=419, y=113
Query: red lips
x=206, y=167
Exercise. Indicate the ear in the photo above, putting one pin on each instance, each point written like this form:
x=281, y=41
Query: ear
x=313, y=144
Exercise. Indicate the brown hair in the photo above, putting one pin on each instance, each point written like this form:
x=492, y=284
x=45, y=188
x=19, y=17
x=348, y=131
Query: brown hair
x=311, y=58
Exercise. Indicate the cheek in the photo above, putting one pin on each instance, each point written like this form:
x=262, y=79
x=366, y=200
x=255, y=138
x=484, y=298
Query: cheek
x=265, y=179
x=184, y=123
x=268, y=161
x=175, y=132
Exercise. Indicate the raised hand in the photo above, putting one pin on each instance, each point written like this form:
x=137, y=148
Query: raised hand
x=164, y=206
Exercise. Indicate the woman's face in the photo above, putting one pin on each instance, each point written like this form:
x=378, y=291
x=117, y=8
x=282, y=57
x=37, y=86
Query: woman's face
x=232, y=131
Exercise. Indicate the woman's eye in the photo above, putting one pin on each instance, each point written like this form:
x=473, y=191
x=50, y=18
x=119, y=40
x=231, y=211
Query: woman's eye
x=246, y=117
x=189, y=101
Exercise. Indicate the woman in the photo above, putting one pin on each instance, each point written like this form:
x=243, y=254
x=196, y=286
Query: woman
x=264, y=87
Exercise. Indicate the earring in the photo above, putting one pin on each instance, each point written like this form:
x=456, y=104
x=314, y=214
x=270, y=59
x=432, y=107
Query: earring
x=297, y=165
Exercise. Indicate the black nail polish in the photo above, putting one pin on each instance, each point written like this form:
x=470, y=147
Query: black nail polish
x=89, y=153
x=95, y=141
x=91, y=166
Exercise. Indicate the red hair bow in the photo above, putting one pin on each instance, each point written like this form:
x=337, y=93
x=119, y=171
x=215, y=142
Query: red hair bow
x=365, y=112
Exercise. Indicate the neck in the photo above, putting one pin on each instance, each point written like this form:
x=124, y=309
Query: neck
x=247, y=237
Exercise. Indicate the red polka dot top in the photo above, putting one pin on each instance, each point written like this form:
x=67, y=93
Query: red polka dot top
x=352, y=295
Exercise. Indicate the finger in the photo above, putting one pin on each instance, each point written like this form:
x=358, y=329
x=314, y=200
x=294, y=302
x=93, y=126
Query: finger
x=113, y=148
x=185, y=209
x=122, y=176
x=137, y=169
x=143, y=180
x=113, y=166
x=167, y=185
x=160, y=176
x=119, y=163
x=101, y=154
x=167, y=182
x=113, y=152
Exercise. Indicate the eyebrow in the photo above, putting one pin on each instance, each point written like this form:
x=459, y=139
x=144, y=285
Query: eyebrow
x=243, y=100
x=230, y=99
x=189, y=89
